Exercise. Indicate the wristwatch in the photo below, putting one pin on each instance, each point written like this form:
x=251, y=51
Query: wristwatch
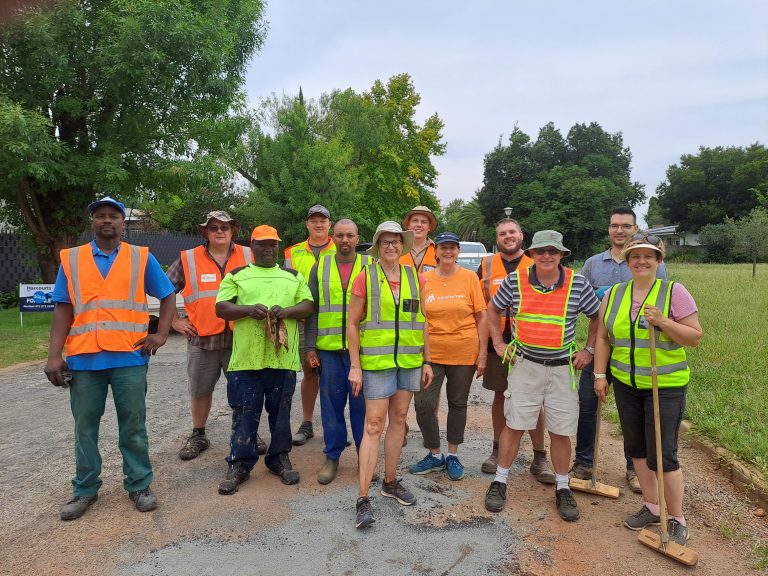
x=590, y=349
x=598, y=376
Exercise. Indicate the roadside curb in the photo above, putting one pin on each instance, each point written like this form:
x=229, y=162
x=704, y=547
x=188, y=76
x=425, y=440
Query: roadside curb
x=742, y=475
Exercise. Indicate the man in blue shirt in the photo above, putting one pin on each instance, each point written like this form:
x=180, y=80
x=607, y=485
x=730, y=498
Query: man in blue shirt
x=101, y=315
x=602, y=271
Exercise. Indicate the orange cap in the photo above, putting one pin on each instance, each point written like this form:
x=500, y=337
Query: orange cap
x=264, y=232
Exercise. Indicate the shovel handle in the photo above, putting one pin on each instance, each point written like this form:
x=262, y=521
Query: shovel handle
x=657, y=430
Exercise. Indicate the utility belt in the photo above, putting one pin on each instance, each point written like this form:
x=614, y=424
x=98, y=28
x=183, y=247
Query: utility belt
x=556, y=362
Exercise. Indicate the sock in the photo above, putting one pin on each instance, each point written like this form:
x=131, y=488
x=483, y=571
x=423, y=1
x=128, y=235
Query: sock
x=680, y=519
x=562, y=481
x=540, y=449
x=501, y=474
x=454, y=454
x=199, y=431
x=437, y=454
x=654, y=508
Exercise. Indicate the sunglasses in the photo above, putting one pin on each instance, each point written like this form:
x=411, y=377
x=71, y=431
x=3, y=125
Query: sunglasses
x=215, y=228
x=649, y=238
x=547, y=251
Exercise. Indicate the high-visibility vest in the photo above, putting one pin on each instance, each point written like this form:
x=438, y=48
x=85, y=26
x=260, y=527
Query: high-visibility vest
x=333, y=300
x=202, y=277
x=540, y=318
x=493, y=273
x=429, y=262
x=300, y=256
x=631, y=354
x=109, y=313
x=392, y=334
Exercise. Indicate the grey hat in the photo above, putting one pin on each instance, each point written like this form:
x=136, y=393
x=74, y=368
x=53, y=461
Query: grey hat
x=318, y=209
x=395, y=228
x=546, y=238
x=421, y=210
x=219, y=215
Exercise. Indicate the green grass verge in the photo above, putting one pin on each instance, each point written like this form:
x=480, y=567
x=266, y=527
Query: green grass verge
x=23, y=344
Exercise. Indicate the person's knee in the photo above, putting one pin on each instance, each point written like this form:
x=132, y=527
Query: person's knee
x=374, y=425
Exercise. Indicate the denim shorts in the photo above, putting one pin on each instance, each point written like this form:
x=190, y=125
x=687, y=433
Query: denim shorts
x=384, y=383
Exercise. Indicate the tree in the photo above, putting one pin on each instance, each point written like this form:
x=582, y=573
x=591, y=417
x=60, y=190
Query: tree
x=716, y=183
x=751, y=236
x=114, y=96
x=655, y=214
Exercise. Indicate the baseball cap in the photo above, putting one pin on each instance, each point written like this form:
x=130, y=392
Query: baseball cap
x=265, y=232
x=106, y=201
x=444, y=237
x=318, y=209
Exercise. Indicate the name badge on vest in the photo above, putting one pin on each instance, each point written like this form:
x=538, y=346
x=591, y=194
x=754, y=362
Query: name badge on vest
x=427, y=268
x=497, y=281
x=410, y=306
x=642, y=323
x=207, y=277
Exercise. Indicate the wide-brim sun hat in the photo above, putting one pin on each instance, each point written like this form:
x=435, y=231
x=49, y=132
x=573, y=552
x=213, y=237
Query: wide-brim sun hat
x=221, y=216
x=545, y=239
x=421, y=210
x=394, y=228
x=644, y=243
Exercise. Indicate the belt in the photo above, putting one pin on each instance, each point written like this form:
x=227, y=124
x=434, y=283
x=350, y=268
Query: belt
x=556, y=362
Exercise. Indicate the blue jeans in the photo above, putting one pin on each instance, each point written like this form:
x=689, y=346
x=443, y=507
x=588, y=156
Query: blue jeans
x=585, y=435
x=87, y=398
x=334, y=392
x=248, y=392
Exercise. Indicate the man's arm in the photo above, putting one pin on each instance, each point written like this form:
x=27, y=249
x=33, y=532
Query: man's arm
x=63, y=316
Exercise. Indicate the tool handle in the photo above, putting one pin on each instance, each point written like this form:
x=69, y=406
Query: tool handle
x=596, y=455
x=657, y=430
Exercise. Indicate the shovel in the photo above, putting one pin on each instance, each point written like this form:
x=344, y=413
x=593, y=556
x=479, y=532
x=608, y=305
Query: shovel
x=593, y=486
x=661, y=542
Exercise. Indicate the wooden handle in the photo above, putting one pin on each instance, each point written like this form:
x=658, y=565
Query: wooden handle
x=657, y=430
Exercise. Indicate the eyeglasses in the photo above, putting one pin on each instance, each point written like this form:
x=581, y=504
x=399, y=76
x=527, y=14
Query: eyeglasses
x=625, y=227
x=392, y=243
x=215, y=228
x=650, y=238
x=546, y=251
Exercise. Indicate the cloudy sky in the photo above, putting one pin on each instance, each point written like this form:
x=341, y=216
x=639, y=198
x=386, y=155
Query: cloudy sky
x=671, y=76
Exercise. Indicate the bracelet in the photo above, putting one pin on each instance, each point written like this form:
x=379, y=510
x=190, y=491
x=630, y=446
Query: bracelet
x=427, y=363
x=590, y=349
x=598, y=376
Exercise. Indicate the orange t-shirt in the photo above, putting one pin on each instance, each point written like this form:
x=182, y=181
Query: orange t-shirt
x=450, y=305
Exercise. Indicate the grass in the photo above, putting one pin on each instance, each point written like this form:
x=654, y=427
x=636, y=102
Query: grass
x=23, y=344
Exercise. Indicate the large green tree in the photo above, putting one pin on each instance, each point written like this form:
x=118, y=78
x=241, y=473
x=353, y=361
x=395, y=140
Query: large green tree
x=716, y=183
x=114, y=96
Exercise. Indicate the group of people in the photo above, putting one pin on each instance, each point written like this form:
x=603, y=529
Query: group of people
x=375, y=332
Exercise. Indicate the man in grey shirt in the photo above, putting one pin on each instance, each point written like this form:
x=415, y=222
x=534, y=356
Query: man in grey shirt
x=602, y=271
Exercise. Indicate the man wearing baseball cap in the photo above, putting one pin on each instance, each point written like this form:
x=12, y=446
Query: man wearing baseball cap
x=421, y=221
x=264, y=303
x=302, y=257
x=197, y=274
x=546, y=299
x=101, y=317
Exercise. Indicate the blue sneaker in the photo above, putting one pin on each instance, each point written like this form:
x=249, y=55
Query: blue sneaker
x=428, y=464
x=455, y=468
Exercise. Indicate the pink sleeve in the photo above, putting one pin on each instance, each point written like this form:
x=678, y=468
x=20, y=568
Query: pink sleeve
x=358, y=285
x=422, y=282
x=681, y=303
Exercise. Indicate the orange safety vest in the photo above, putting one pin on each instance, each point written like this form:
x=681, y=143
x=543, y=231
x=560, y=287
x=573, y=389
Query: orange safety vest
x=540, y=318
x=202, y=277
x=493, y=273
x=109, y=313
x=428, y=263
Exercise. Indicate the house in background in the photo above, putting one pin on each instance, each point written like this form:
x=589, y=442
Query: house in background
x=672, y=237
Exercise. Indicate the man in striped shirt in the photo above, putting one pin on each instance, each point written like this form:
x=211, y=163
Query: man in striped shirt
x=546, y=300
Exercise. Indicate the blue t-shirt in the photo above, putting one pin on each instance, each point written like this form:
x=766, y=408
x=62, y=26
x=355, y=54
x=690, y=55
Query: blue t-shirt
x=602, y=272
x=156, y=284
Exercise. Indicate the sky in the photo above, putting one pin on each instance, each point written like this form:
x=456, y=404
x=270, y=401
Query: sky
x=670, y=76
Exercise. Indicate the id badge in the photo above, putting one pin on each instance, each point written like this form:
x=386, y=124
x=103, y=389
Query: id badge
x=642, y=323
x=411, y=306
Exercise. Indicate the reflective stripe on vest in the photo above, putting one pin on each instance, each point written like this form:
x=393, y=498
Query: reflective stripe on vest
x=300, y=256
x=429, y=262
x=333, y=300
x=202, y=278
x=540, y=318
x=109, y=313
x=630, y=341
x=391, y=336
x=493, y=273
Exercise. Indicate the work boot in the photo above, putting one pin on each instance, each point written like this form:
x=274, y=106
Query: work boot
x=304, y=433
x=496, y=496
x=540, y=468
x=285, y=470
x=261, y=446
x=566, y=505
x=236, y=475
x=144, y=500
x=634, y=483
x=490, y=464
x=328, y=471
x=196, y=443
x=77, y=507
x=580, y=471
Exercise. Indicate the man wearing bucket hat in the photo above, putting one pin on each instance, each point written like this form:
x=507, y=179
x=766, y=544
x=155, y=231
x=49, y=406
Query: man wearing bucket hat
x=421, y=221
x=197, y=274
x=302, y=257
x=546, y=299
x=262, y=373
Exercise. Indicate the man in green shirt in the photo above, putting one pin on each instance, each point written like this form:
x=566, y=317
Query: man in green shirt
x=261, y=374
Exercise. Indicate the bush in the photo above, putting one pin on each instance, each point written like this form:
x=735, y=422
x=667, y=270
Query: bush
x=9, y=300
x=717, y=241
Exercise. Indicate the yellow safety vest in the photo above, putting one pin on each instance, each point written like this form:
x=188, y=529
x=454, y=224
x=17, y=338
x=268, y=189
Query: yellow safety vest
x=300, y=256
x=332, y=302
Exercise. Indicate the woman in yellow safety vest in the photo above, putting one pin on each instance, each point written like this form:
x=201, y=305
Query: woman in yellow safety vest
x=389, y=358
x=627, y=314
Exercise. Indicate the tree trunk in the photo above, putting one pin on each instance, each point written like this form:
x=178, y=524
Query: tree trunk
x=754, y=266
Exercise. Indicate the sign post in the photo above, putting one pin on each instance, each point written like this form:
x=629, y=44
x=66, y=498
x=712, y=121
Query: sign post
x=35, y=298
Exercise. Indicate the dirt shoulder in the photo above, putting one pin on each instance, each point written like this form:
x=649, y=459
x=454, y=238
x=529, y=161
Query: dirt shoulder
x=308, y=529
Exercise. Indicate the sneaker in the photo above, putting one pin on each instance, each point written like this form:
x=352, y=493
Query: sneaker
x=677, y=531
x=455, y=468
x=428, y=464
x=236, y=475
x=496, y=496
x=566, y=505
x=195, y=444
x=285, y=470
x=397, y=491
x=540, y=468
x=579, y=470
x=364, y=513
x=634, y=483
x=641, y=519
x=144, y=500
x=490, y=464
x=328, y=471
x=261, y=446
x=304, y=433
x=77, y=506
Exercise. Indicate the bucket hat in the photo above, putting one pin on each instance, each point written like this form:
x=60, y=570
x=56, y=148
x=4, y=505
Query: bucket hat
x=546, y=238
x=395, y=228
